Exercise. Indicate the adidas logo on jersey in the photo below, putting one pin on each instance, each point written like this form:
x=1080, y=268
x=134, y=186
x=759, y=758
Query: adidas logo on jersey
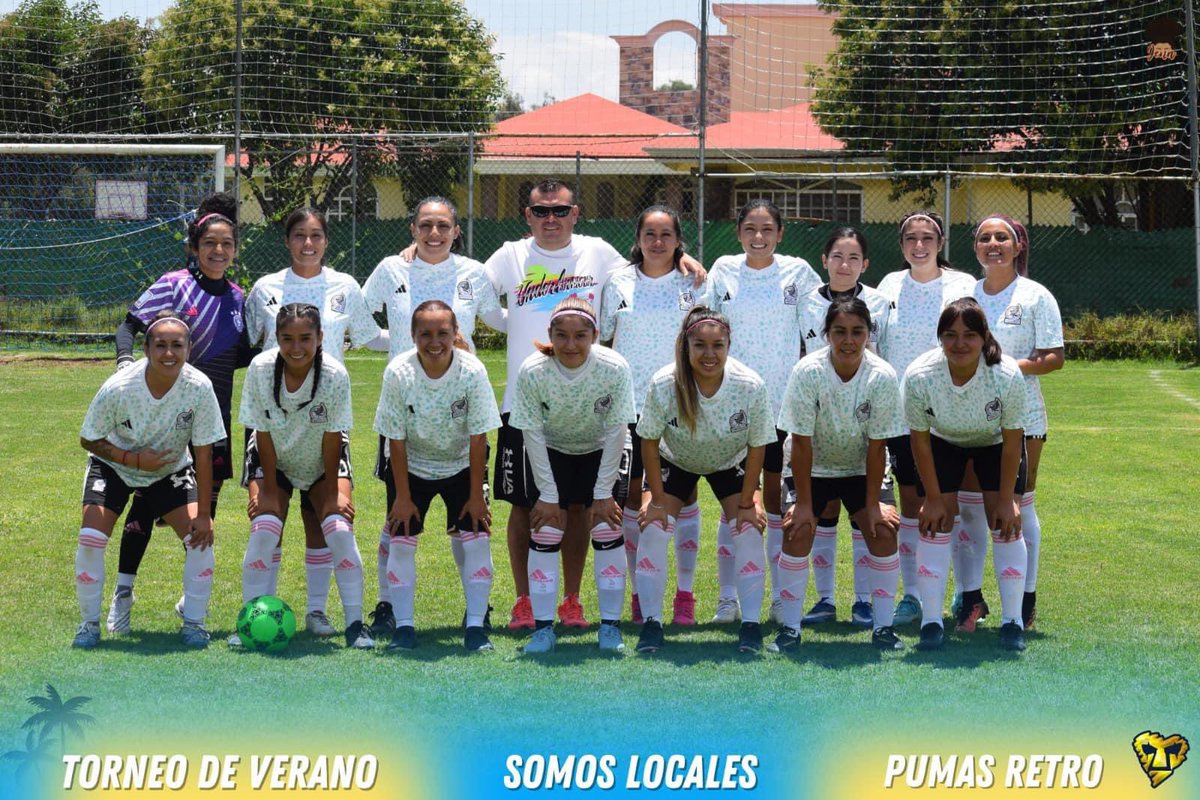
x=993, y=410
x=272, y=301
x=727, y=298
x=458, y=408
x=318, y=414
x=739, y=421
x=673, y=422
x=465, y=291
x=545, y=407
x=623, y=305
x=811, y=334
x=411, y=410
x=929, y=412
x=401, y=289
x=184, y=420
x=127, y=424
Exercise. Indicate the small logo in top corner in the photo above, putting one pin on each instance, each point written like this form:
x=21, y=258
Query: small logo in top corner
x=1158, y=755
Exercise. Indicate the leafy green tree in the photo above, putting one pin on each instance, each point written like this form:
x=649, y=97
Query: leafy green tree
x=675, y=85
x=58, y=715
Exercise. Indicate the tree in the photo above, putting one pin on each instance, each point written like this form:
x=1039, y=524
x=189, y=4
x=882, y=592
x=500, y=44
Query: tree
x=511, y=105
x=1058, y=88
x=56, y=713
x=316, y=72
x=675, y=85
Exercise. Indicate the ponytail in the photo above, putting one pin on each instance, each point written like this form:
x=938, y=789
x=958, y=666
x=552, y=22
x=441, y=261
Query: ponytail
x=969, y=310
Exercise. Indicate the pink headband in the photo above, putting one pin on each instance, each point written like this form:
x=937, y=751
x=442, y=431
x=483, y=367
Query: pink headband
x=907, y=220
x=150, y=327
x=1003, y=222
x=704, y=321
x=578, y=312
x=214, y=214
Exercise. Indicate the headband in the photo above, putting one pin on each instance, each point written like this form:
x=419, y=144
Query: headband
x=150, y=327
x=213, y=215
x=907, y=220
x=713, y=320
x=577, y=312
x=1003, y=222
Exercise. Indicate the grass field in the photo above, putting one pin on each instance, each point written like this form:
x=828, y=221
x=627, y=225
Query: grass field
x=1115, y=650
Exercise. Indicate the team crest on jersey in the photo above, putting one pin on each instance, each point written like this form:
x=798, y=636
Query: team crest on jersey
x=863, y=412
x=603, y=405
x=237, y=321
x=318, y=413
x=337, y=303
x=686, y=299
x=1012, y=315
x=465, y=291
x=993, y=410
x=184, y=420
x=458, y=409
x=791, y=295
x=739, y=421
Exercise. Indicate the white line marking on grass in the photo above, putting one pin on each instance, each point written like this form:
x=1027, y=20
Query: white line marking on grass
x=1162, y=383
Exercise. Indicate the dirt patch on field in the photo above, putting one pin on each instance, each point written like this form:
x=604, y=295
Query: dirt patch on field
x=57, y=361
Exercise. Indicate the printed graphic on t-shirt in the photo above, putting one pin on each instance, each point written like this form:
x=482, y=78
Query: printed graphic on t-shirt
x=543, y=290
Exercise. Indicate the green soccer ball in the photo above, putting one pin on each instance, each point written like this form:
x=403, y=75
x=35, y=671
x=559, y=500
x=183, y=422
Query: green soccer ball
x=266, y=624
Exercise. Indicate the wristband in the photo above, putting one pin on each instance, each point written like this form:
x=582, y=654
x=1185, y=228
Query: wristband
x=655, y=505
x=124, y=455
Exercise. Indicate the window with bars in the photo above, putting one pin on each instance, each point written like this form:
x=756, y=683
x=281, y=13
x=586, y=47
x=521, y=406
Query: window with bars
x=806, y=199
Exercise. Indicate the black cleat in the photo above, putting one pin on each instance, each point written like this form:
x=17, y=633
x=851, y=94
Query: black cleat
x=786, y=641
x=1012, y=637
x=475, y=639
x=383, y=621
x=358, y=636
x=651, y=638
x=886, y=639
x=403, y=638
x=750, y=638
x=933, y=636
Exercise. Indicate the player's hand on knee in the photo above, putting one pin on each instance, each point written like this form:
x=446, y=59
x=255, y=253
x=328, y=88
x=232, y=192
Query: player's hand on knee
x=545, y=514
x=605, y=512
x=200, y=532
x=477, y=509
x=401, y=515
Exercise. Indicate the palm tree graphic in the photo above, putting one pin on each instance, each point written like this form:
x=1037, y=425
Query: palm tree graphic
x=35, y=755
x=58, y=715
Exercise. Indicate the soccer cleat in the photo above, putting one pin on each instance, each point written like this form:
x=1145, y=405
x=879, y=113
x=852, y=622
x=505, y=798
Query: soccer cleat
x=475, y=639
x=862, y=615
x=728, y=610
x=983, y=615
x=651, y=638
x=522, y=614
x=542, y=641
x=235, y=642
x=383, y=621
x=886, y=639
x=1029, y=618
x=635, y=610
x=570, y=612
x=88, y=635
x=684, y=608
x=776, y=613
x=750, y=638
x=823, y=611
x=318, y=624
x=1012, y=637
x=786, y=641
x=487, y=620
x=968, y=617
x=908, y=610
x=404, y=637
x=610, y=638
x=120, y=610
x=194, y=634
x=956, y=605
x=358, y=636
x=932, y=637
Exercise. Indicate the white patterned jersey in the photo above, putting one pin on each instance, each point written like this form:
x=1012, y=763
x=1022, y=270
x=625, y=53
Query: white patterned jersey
x=641, y=316
x=436, y=418
x=296, y=431
x=815, y=305
x=1024, y=318
x=916, y=307
x=841, y=416
x=535, y=280
x=125, y=414
x=737, y=417
x=763, y=308
x=399, y=287
x=336, y=294
x=971, y=415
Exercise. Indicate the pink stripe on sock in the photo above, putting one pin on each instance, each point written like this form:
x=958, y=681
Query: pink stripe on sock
x=937, y=538
x=996, y=539
x=266, y=525
x=1027, y=500
x=470, y=536
x=785, y=562
x=408, y=541
x=322, y=559
x=685, y=514
x=333, y=524
x=826, y=533
x=629, y=514
x=856, y=535
x=970, y=498
x=98, y=542
x=606, y=534
x=883, y=566
x=546, y=538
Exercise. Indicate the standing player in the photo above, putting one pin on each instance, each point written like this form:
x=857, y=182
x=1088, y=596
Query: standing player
x=919, y=292
x=1025, y=320
x=707, y=415
x=400, y=284
x=138, y=430
x=435, y=410
x=642, y=308
x=841, y=406
x=965, y=402
x=212, y=306
x=298, y=404
x=760, y=293
x=573, y=400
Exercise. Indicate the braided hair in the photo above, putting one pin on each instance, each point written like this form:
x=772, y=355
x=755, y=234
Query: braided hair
x=290, y=312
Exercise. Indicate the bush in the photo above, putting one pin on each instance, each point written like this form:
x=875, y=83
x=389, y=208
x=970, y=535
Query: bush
x=1146, y=335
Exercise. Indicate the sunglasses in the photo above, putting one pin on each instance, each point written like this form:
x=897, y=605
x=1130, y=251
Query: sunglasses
x=541, y=212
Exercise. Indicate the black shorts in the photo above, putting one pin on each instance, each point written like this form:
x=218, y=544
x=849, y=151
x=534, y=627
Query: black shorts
x=574, y=477
x=513, y=473
x=252, y=467
x=102, y=486
x=454, y=491
x=903, y=466
x=950, y=462
x=851, y=491
x=383, y=465
x=773, y=457
x=680, y=483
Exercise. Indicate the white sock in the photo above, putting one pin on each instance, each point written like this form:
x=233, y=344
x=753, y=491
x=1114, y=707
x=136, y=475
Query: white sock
x=632, y=533
x=608, y=566
x=822, y=557
x=348, y=571
x=382, y=553
x=89, y=572
x=477, y=568
x=543, y=573
x=862, y=569
x=906, y=541
x=1009, y=559
x=748, y=560
x=460, y=557
x=197, y=582
x=265, y=531
x=933, y=559
x=973, y=547
x=1031, y=532
x=774, y=549
x=125, y=579
x=318, y=569
x=687, y=547
x=276, y=562
x=793, y=577
x=402, y=577
x=884, y=575
x=726, y=562
x=650, y=579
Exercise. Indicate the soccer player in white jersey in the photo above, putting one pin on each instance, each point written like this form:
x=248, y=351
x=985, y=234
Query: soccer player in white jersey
x=343, y=310
x=842, y=405
x=965, y=402
x=844, y=257
x=137, y=429
x=760, y=293
x=535, y=274
x=298, y=404
x=919, y=292
x=573, y=400
x=397, y=286
x=1024, y=318
x=435, y=411
x=640, y=314
x=706, y=415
